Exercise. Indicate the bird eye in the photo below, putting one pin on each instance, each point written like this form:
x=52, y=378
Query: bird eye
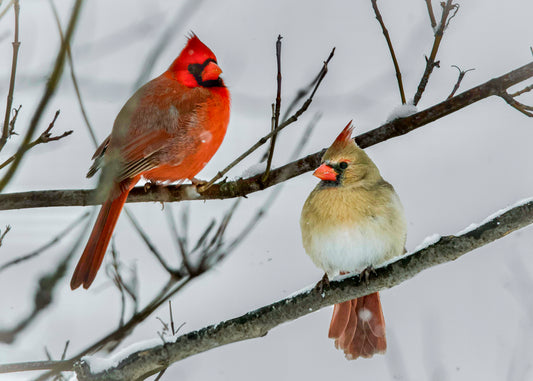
x=343, y=165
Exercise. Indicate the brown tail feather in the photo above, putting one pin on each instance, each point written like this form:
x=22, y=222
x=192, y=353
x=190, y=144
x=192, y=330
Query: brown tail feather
x=358, y=327
x=94, y=252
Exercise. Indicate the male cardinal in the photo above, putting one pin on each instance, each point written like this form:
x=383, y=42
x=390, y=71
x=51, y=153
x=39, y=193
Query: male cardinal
x=167, y=131
x=353, y=221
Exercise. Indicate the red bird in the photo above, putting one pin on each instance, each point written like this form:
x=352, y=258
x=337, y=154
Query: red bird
x=353, y=220
x=167, y=131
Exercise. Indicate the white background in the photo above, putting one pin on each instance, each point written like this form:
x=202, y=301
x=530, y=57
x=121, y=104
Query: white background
x=467, y=320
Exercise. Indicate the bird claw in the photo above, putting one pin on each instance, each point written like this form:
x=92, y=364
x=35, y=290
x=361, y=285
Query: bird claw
x=322, y=284
x=365, y=274
x=149, y=184
x=198, y=182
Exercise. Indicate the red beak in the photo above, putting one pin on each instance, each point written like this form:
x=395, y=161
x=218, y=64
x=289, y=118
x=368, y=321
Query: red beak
x=211, y=72
x=325, y=172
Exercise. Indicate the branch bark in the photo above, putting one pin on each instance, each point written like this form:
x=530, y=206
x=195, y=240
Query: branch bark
x=243, y=187
x=144, y=363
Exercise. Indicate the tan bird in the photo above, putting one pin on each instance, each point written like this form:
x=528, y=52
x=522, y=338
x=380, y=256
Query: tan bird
x=352, y=221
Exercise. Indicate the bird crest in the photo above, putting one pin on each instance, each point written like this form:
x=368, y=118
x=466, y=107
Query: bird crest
x=345, y=137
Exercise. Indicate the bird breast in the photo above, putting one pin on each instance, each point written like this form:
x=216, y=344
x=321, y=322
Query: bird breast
x=348, y=231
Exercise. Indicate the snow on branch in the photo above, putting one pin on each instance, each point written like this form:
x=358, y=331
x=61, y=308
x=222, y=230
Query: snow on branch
x=242, y=187
x=139, y=364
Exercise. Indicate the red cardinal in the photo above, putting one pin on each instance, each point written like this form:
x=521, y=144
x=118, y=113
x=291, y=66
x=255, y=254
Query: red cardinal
x=353, y=220
x=167, y=131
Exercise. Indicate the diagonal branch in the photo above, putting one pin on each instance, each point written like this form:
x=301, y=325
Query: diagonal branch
x=243, y=187
x=391, y=50
x=430, y=61
x=45, y=137
x=265, y=138
x=255, y=324
x=73, y=77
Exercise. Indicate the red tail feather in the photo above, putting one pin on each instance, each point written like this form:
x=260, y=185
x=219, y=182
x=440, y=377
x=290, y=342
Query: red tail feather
x=358, y=327
x=94, y=252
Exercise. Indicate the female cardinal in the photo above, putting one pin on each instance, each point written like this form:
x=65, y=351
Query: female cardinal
x=167, y=131
x=353, y=220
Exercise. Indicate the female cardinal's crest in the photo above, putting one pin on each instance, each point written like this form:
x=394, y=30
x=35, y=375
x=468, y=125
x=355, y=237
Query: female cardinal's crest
x=345, y=137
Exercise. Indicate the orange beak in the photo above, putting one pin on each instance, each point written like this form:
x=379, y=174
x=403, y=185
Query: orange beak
x=211, y=72
x=326, y=173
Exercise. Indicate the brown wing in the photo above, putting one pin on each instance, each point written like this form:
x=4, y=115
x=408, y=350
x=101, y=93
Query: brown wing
x=155, y=118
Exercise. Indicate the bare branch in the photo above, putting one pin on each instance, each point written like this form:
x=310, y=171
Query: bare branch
x=44, y=294
x=16, y=45
x=431, y=14
x=430, y=61
x=50, y=88
x=459, y=80
x=45, y=137
x=243, y=187
x=275, y=111
x=55, y=240
x=73, y=76
x=520, y=92
x=258, y=323
x=265, y=138
x=2, y=236
x=175, y=273
x=524, y=109
x=391, y=49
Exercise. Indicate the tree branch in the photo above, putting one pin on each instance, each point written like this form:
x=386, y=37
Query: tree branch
x=258, y=323
x=430, y=61
x=275, y=111
x=243, y=187
x=16, y=44
x=391, y=50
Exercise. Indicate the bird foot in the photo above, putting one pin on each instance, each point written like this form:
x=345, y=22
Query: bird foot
x=149, y=184
x=198, y=182
x=365, y=274
x=322, y=284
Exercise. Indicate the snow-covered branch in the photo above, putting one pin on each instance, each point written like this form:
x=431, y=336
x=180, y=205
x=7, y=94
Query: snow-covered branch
x=139, y=364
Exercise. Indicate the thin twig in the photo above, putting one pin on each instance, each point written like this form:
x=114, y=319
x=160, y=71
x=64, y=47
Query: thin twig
x=520, y=92
x=14, y=120
x=73, y=76
x=64, y=354
x=265, y=138
x=7, y=229
x=431, y=14
x=459, y=80
x=171, y=317
x=391, y=50
x=49, y=91
x=173, y=272
x=275, y=111
x=46, y=246
x=16, y=45
x=45, y=137
x=430, y=61
x=524, y=109
x=117, y=280
x=180, y=240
